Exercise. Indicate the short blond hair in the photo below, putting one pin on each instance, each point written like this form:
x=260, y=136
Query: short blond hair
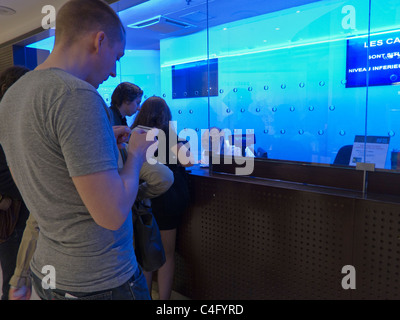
x=78, y=17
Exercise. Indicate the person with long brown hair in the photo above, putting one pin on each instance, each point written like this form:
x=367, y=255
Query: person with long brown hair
x=169, y=207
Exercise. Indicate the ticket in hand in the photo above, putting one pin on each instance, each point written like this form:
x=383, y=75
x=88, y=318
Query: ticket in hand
x=153, y=131
x=144, y=128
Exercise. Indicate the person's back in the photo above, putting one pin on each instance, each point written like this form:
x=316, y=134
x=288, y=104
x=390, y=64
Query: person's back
x=48, y=140
x=169, y=207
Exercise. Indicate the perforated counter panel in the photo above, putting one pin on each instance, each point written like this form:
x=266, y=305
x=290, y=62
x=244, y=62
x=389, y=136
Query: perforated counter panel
x=249, y=241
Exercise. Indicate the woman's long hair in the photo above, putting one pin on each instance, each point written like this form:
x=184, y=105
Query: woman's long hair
x=154, y=113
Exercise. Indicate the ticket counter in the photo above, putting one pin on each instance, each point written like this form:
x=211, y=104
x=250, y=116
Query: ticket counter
x=246, y=238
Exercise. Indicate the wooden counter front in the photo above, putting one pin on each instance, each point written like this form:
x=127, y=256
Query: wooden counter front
x=245, y=238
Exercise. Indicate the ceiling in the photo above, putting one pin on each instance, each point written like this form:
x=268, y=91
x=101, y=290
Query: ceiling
x=28, y=16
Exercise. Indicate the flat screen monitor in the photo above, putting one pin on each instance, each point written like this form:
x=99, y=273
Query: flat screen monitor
x=189, y=80
x=378, y=56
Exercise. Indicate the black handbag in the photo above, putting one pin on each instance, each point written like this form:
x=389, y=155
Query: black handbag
x=149, y=249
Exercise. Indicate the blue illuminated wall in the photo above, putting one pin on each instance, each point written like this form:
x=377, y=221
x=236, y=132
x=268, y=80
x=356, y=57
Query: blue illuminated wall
x=284, y=75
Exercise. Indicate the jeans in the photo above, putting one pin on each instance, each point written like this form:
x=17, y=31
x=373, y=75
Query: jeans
x=134, y=289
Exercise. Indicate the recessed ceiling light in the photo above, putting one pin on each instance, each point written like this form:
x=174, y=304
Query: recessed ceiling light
x=161, y=24
x=6, y=11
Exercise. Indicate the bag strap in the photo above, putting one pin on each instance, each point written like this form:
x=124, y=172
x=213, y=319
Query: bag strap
x=138, y=206
x=124, y=154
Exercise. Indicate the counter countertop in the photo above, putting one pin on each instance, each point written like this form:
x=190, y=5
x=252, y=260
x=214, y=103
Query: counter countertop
x=204, y=172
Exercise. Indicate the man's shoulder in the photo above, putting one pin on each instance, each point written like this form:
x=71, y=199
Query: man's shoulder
x=63, y=76
x=57, y=77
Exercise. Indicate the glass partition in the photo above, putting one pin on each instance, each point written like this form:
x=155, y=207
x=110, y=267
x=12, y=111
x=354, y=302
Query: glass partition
x=305, y=82
x=383, y=78
x=283, y=75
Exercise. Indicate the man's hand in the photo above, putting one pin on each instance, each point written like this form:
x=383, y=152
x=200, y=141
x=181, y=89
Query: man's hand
x=140, y=141
x=121, y=134
x=109, y=195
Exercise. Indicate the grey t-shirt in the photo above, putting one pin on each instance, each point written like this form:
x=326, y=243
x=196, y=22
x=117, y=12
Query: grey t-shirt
x=54, y=126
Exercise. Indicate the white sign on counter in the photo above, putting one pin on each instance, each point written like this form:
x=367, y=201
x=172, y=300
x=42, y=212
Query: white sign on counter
x=375, y=150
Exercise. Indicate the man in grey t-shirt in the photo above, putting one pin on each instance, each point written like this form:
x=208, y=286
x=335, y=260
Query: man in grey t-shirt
x=63, y=155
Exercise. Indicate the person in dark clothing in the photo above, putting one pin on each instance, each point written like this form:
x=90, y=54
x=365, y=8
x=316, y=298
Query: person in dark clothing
x=125, y=102
x=9, y=248
x=169, y=207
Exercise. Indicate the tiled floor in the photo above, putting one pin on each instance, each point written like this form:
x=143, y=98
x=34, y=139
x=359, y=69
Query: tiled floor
x=174, y=295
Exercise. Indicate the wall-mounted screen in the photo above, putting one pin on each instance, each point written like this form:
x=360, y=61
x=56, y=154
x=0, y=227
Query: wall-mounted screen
x=189, y=80
x=378, y=56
